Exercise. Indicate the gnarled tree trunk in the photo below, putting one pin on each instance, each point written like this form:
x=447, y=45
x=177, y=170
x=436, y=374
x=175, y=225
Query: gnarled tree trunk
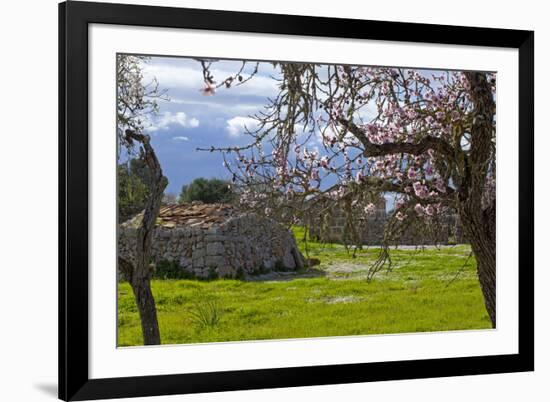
x=480, y=230
x=139, y=275
x=479, y=220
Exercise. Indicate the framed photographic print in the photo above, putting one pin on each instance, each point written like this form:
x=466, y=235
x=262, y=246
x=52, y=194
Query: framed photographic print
x=258, y=201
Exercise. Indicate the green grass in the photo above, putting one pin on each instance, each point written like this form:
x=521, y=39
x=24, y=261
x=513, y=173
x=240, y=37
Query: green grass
x=429, y=290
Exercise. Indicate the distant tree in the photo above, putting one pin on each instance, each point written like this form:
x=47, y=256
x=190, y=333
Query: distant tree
x=137, y=167
x=206, y=190
x=169, y=199
x=132, y=193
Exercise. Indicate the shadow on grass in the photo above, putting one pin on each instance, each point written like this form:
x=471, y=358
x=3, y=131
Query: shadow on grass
x=283, y=276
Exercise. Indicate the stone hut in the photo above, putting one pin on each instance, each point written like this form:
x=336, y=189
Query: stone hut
x=215, y=240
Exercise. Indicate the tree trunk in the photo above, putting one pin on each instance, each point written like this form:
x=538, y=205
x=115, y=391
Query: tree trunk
x=481, y=234
x=475, y=207
x=141, y=272
x=147, y=312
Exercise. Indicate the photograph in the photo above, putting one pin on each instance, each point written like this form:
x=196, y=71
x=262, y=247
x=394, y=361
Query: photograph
x=213, y=201
x=274, y=200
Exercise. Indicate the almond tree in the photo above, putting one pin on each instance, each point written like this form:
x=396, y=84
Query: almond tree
x=135, y=101
x=343, y=135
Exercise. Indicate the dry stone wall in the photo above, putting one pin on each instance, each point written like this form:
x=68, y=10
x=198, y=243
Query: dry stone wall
x=242, y=244
x=370, y=230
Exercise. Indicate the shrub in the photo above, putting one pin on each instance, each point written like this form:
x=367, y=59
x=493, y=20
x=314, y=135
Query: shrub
x=171, y=270
x=240, y=274
x=259, y=271
x=212, y=273
x=206, y=313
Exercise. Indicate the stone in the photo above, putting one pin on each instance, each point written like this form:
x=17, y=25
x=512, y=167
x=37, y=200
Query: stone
x=199, y=252
x=213, y=260
x=226, y=271
x=216, y=248
x=288, y=261
x=223, y=241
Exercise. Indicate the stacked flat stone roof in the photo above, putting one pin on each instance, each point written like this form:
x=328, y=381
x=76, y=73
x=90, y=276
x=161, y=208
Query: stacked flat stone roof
x=193, y=215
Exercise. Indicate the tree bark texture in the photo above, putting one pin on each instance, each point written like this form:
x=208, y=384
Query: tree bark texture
x=141, y=272
x=479, y=220
x=481, y=234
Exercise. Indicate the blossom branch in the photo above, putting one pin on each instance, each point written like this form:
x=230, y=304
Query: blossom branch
x=419, y=148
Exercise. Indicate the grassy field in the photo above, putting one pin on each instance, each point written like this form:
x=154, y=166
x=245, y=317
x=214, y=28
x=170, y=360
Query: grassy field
x=426, y=290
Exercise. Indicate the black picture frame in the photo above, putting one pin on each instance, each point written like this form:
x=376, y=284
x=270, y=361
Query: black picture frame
x=74, y=381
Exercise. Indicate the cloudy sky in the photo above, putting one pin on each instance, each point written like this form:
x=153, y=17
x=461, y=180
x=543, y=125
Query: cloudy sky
x=190, y=120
